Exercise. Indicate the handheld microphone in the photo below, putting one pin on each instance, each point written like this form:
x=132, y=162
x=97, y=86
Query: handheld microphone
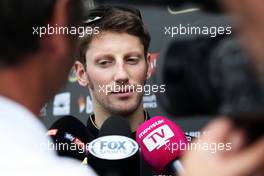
x=70, y=137
x=114, y=152
x=160, y=140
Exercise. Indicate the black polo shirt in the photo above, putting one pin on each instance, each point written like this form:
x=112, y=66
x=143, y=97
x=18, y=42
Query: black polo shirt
x=93, y=130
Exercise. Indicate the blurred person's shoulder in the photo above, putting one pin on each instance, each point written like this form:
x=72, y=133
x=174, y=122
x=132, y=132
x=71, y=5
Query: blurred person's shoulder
x=25, y=149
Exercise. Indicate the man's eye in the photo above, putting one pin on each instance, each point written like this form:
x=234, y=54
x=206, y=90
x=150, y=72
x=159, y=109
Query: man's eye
x=132, y=60
x=104, y=63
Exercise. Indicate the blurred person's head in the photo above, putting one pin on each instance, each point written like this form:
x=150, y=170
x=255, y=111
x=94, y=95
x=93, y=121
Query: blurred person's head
x=248, y=17
x=117, y=55
x=30, y=64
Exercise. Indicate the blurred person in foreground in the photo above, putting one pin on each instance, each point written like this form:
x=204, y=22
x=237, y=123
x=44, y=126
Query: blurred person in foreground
x=246, y=160
x=32, y=70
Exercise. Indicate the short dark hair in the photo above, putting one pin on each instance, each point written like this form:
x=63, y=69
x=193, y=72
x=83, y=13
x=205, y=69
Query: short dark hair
x=17, y=19
x=115, y=19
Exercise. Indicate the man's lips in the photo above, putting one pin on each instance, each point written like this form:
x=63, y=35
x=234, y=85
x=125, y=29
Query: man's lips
x=122, y=94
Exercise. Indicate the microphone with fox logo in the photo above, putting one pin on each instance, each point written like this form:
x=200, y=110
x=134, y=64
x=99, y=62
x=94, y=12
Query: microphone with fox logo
x=114, y=152
x=160, y=141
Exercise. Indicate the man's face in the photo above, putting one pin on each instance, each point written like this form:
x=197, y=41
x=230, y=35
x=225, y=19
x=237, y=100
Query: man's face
x=116, y=59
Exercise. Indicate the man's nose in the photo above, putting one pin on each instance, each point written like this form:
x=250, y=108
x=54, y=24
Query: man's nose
x=121, y=74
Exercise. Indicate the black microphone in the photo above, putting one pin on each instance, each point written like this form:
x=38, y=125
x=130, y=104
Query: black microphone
x=70, y=137
x=114, y=152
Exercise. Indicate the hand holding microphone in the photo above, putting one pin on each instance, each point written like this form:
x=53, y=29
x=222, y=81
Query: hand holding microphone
x=240, y=160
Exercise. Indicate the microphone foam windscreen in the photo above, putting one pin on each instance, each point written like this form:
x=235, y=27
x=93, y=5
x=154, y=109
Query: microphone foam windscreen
x=160, y=141
x=71, y=125
x=115, y=126
x=114, y=153
x=65, y=132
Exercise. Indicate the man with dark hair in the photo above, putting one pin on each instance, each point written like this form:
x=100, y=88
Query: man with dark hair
x=32, y=69
x=113, y=63
x=110, y=57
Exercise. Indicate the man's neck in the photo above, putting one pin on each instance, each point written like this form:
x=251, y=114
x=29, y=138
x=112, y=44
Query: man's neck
x=20, y=85
x=134, y=119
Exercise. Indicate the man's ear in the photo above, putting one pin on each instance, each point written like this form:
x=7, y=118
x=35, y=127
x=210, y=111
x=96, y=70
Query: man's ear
x=81, y=74
x=149, y=69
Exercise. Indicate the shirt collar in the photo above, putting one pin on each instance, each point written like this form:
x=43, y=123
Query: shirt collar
x=94, y=129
